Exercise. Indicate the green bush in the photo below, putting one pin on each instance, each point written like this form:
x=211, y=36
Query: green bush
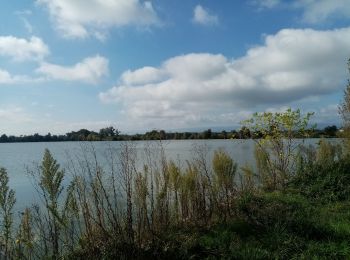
x=277, y=210
x=324, y=182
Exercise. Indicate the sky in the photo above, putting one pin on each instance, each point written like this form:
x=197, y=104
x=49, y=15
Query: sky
x=164, y=64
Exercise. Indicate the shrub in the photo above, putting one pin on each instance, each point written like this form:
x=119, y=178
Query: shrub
x=7, y=201
x=324, y=181
x=271, y=210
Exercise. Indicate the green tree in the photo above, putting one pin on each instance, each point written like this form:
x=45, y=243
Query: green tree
x=109, y=131
x=244, y=133
x=344, y=111
x=162, y=135
x=277, y=143
x=7, y=201
x=330, y=131
x=3, y=138
x=207, y=134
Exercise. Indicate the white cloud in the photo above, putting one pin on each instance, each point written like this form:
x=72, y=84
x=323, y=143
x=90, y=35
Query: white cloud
x=62, y=127
x=291, y=65
x=327, y=115
x=316, y=11
x=89, y=70
x=23, y=12
x=19, y=121
x=7, y=79
x=20, y=49
x=27, y=25
x=203, y=17
x=79, y=19
x=266, y=3
x=13, y=115
x=142, y=76
x=313, y=11
x=22, y=15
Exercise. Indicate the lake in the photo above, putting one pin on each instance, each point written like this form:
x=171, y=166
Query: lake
x=17, y=158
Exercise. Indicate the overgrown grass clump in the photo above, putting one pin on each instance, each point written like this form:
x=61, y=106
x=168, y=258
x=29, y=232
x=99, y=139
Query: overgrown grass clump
x=328, y=182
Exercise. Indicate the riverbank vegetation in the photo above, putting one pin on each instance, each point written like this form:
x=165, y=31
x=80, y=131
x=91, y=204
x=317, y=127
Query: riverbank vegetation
x=294, y=203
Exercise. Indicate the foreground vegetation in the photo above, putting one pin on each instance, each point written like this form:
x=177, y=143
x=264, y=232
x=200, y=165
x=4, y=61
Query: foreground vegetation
x=295, y=204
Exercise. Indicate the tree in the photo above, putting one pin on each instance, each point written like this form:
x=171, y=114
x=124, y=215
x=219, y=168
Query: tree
x=244, y=133
x=330, y=131
x=223, y=134
x=276, y=148
x=109, y=131
x=344, y=111
x=206, y=134
x=7, y=201
x=3, y=138
x=162, y=135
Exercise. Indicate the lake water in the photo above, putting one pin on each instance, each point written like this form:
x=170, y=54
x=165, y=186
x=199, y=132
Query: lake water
x=17, y=158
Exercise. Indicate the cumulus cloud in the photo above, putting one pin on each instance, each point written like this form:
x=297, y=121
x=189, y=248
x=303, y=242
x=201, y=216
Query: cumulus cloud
x=20, y=49
x=22, y=14
x=313, y=11
x=63, y=127
x=142, y=76
x=13, y=115
x=326, y=115
x=266, y=3
x=79, y=19
x=291, y=65
x=203, y=17
x=6, y=78
x=90, y=70
x=316, y=11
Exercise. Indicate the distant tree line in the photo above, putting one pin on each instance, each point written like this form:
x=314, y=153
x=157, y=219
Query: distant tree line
x=104, y=134
x=112, y=134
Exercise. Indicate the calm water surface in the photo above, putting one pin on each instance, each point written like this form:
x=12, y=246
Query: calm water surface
x=17, y=158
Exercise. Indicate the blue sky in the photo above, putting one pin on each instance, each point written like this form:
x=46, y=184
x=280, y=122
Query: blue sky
x=164, y=64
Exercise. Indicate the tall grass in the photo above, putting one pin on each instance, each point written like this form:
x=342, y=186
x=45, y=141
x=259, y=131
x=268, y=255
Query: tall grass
x=132, y=210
